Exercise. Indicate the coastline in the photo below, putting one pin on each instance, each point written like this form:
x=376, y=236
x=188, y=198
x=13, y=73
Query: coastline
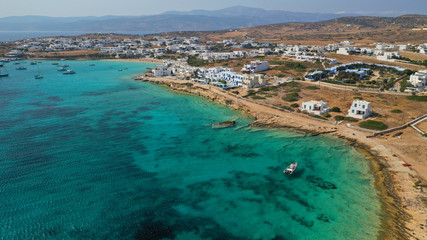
x=402, y=204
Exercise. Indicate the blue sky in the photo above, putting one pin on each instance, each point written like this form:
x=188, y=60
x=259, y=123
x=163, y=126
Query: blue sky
x=68, y=8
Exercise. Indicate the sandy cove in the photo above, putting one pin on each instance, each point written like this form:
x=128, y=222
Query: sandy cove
x=400, y=188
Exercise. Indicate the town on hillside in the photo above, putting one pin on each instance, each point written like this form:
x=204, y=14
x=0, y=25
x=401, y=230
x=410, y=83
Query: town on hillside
x=359, y=81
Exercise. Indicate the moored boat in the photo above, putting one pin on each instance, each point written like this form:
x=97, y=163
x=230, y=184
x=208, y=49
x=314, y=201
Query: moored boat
x=71, y=71
x=38, y=76
x=33, y=63
x=61, y=69
x=291, y=168
x=21, y=68
x=55, y=63
x=3, y=71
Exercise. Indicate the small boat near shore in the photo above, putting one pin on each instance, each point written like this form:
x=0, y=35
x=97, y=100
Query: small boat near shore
x=55, y=63
x=3, y=71
x=225, y=124
x=33, y=63
x=21, y=68
x=291, y=168
x=61, y=69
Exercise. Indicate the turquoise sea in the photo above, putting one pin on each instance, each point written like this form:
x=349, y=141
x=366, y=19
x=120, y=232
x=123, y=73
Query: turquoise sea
x=97, y=155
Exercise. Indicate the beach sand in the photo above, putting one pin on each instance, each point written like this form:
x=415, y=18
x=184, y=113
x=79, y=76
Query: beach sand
x=402, y=187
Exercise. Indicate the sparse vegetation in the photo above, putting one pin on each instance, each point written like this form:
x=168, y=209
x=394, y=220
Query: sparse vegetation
x=335, y=109
x=418, y=98
x=396, y=111
x=350, y=119
x=291, y=97
x=312, y=87
x=257, y=97
x=294, y=105
x=374, y=125
x=327, y=115
x=339, y=118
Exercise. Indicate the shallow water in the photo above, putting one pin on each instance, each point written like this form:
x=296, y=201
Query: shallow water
x=97, y=155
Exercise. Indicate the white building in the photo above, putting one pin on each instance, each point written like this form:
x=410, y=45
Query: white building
x=253, y=81
x=360, y=109
x=315, y=107
x=255, y=66
x=419, y=79
x=161, y=70
x=343, y=51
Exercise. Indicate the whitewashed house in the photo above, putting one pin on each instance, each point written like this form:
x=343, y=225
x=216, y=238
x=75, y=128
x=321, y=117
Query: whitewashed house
x=360, y=109
x=253, y=81
x=343, y=51
x=315, y=107
x=255, y=66
x=419, y=79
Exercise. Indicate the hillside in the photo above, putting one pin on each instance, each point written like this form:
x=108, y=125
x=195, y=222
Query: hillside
x=363, y=29
x=196, y=20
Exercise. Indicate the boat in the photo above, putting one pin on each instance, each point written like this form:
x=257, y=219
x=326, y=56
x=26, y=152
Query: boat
x=38, y=75
x=21, y=68
x=71, y=71
x=291, y=168
x=406, y=164
x=65, y=65
x=3, y=72
x=120, y=70
x=61, y=69
x=33, y=63
x=92, y=65
x=55, y=63
x=16, y=63
x=1, y=65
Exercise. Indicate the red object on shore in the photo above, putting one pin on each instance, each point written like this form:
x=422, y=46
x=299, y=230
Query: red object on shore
x=406, y=164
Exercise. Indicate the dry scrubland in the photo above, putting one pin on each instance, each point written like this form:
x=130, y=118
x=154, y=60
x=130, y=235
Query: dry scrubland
x=382, y=104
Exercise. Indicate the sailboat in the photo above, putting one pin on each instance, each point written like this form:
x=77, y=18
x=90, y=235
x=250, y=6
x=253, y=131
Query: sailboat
x=3, y=71
x=38, y=75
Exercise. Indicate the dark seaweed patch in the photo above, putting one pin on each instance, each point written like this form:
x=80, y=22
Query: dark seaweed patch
x=140, y=109
x=318, y=182
x=55, y=99
x=155, y=231
x=303, y=221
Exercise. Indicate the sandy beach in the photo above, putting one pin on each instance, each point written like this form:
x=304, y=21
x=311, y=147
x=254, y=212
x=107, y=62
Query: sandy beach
x=400, y=188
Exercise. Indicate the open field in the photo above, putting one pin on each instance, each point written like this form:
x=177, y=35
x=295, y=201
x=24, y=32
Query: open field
x=382, y=104
x=366, y=59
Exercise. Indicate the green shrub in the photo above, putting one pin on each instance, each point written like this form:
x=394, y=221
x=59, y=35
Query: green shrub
x=312, y=87
x=320, y=117
x=257, y=97
x=360, y=98
x=287, y=108
x=339, y=118
x=292, y=84
x=350, y=119
x=294, y=105
x=251, y=92
x=327, y=115
x=296, y=90
x=335, y=109
x=235, y=92
x=396, y=111
x=291, y=97
x=187, y=84
x=418, y=98
x=374, y=125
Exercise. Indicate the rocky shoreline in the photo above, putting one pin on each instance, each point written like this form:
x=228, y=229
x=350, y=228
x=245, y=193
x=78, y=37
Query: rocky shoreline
x=396, y=221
